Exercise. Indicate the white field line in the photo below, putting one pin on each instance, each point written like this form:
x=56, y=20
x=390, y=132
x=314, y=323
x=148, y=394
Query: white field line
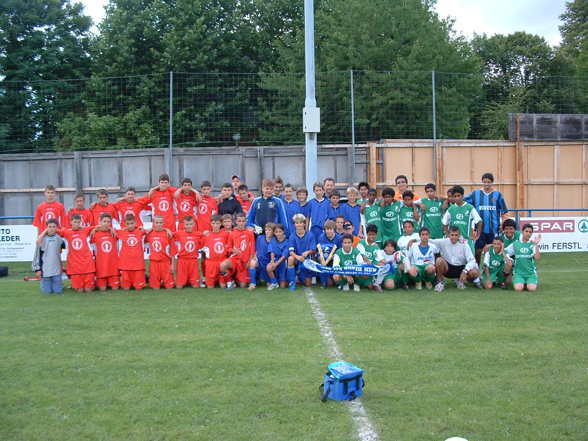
x=365, y=428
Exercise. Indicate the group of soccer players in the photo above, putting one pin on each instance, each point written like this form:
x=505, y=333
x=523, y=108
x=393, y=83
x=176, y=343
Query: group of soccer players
x=235, y=239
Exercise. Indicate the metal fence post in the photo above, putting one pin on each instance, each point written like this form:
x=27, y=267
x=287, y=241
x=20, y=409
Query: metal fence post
x=351, y=151
x=169, y=161
x=434, y=118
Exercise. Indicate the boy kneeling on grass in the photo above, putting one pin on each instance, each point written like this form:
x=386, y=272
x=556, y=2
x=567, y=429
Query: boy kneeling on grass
x=347, y=256
x=302, y=245
x=47, y=260
x=495, y=265
x=526, y=252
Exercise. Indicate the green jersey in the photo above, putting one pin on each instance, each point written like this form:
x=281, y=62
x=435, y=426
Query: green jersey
x=507, y=242
x=406, y=214
x=391, y=221
x=494, y=261
x=524, y=253
x=372, y=215
x=465, y=217
x=431, y=214
x=368, y=250
x=342, y=258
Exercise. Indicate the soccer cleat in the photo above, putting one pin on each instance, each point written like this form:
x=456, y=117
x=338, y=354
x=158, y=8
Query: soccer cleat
x=377, y=288
x=272, y=286
x=428, y=285
x=418, y=285
x=251, y=287
x=478, y=284
x=346, y=287
x=340, y=287
x=230, y=285
x=202, y=284
x=460, y=284
x=440, y=286
x=503, y=285
x=356, y=287
x=292, y=286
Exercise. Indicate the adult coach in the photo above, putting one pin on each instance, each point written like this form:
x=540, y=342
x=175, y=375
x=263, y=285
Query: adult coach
x=491, y=207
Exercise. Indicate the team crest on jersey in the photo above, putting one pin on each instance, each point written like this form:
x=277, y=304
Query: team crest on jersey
x=495, y=262
x=190, y=246
x=156, y=246
x=77, y=243
x=132, y=241
x=203, y=209
x=373, y=214
x=129, y=212
x=433, y=209
x=185, y=206
x=459, y=216
x=49, y=215
x=106, y=247
x=525, y=250
x=389, y=213
x=163, y=205
x=219, y=248
x=271, y=204
x=243, y=246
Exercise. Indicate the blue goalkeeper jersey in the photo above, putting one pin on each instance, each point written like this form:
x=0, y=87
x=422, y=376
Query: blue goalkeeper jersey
x=490, y=206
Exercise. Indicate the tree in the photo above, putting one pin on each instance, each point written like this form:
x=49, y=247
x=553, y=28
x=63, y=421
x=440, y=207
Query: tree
x=42, y=43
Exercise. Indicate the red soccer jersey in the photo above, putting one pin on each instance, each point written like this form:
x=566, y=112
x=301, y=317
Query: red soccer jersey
x=80, y=259
x=161, y=247
x=163, y=205
x=130, y=256
x=106, y=254
x=244, y=241
x=245, y=205
x=188, y=244
x=207, y=207
x=97, y=210
x=49, y=210
x=218, y=245
x=123, y=208
x=186, y=205
x=85, y=213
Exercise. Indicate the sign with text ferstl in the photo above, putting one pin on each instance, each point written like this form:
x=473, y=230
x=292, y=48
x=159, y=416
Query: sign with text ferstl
x=560, y=234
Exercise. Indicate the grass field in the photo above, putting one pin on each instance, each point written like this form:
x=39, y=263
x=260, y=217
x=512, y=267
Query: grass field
x=235, y=365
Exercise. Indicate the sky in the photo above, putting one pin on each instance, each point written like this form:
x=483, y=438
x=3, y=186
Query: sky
x=491, y=17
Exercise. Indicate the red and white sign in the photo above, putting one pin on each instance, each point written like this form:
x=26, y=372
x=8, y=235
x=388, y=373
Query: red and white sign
x=560, y=234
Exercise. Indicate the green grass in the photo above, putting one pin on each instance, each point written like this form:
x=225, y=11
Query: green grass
x=219, y=365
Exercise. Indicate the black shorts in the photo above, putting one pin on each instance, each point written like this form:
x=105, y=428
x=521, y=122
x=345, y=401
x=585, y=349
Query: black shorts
x=484, y=239
x=454, y=271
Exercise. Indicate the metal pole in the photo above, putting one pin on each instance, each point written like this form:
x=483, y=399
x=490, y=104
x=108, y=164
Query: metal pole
x=434, y=102
x=351, y=153
x=310, y=101
x=169, y=161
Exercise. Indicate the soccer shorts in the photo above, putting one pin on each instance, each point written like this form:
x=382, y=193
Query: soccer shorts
x=525, y=279
x=454, y=271
x=112, y=282
x=212, y=273
x=303, y=273
x=160, y=274
x=363, y=281
x=240, y=272
x=262, y=270
x=187, y=273
x=422, y=275
x=132, y=279
x=82, y=281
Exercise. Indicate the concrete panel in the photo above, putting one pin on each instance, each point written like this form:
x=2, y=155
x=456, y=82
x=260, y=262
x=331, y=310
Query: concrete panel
x=197, y=168
x=570, y=163
x=226, y=166
x=43, y=173
x=16, y=174
x=291, y=169
x=327, y=168
x=17, y=205
x=104, y=172
x=252, y=175
x=157, y=167
x=136, y=172
x=539, y=162
x=68, y=172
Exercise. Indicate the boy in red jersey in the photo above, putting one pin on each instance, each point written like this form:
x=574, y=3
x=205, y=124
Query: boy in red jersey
x=189, y=241
x=245, y=198
x=207, y=207
x=80, y=261
x=79, y=208
x=130, y=205
x=161, y=199
x=101, y=207
x=51, y=208
x=216, y=249
x=242, y=248
x=227, y=222
x=162, y=248
x=131, y=261
x=106, y=254
x=186, y=198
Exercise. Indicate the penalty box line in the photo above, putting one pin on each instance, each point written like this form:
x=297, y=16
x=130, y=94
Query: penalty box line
x=365, y=428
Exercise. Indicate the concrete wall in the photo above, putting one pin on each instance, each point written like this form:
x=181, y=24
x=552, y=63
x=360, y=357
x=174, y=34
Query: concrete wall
x=23, y=176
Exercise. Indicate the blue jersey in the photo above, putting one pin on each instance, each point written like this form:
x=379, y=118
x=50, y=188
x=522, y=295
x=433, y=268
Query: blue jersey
x=262, y=250
x=353, y=215
x=280, y=249
x=319, y=212
x=301, y=244
x=490, y=206
x=328, y=244
x=304, y=209
x=333, y=212
x=264, y=210
x=292, y=208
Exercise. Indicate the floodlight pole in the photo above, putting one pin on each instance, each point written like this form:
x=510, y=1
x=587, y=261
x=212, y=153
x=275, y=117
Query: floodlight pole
x=311, y=113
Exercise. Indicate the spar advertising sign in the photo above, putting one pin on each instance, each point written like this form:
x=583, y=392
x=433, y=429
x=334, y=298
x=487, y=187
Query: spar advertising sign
x=560, y=234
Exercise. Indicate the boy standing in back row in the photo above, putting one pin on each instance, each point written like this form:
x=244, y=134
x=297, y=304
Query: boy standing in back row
x=51, y=208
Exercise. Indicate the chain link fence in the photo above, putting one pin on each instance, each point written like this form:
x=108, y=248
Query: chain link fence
x=207, y=109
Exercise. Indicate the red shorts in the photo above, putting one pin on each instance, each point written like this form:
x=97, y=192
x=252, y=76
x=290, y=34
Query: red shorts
x=240, y=272
x=160, y=274
x=132, y=278
x=82, y=281
x=187, y=273
x=112, y=281
x=212, y=273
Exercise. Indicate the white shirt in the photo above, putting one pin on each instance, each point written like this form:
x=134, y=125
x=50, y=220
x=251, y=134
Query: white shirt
x=456, y=254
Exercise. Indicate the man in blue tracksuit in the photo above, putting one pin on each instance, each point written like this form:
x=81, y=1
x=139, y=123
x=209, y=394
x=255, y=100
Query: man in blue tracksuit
x=267, y=208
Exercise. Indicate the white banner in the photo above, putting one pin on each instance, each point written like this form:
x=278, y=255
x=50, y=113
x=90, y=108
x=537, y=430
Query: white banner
x=17, y=243
x=560, y=234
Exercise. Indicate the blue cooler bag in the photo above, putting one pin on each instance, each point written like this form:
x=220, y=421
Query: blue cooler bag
x=343, y=381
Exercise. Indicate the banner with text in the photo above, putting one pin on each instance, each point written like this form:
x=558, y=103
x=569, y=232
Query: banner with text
x=560, y=234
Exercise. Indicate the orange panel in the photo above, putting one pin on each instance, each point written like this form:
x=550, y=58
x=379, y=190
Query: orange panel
x=539, y=163
x=509, y=194
x=569, y=196
x=540, y=196
x=570, y=163
x=424, y=165
x=485, y=161
x=397, y=161
x=457, y=165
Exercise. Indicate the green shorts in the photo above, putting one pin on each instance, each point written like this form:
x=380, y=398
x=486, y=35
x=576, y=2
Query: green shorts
x=363, y=281
x=525, y=279
x=422, y=275
x=495, y=276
